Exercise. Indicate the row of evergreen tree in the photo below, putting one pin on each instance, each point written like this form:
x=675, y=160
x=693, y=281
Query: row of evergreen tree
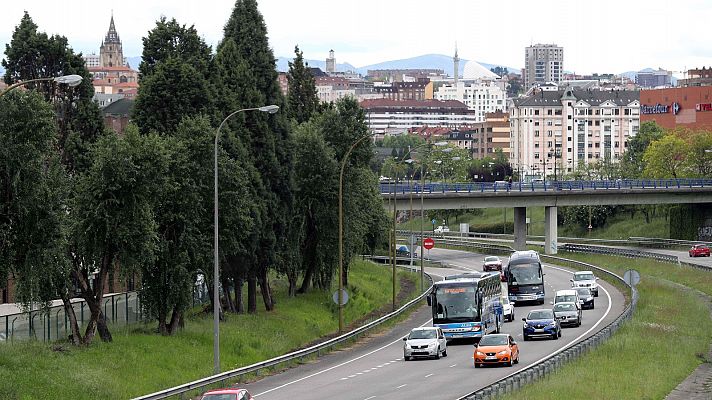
x=77, y=201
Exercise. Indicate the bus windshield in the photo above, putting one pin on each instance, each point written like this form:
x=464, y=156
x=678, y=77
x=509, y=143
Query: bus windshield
x=525, y=274
x=455, y=303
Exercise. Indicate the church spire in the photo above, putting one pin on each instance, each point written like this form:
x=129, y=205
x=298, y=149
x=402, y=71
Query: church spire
x=112, y=36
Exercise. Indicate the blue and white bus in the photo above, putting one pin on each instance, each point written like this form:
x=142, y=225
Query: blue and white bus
x=525, y=278
x=467, y=307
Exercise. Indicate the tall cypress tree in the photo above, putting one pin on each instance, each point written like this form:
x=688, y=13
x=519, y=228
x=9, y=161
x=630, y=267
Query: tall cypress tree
x=245, y=55
x=302, y=100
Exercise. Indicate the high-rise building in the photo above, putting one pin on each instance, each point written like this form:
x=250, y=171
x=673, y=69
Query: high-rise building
x=543, y=63
x=111, y=53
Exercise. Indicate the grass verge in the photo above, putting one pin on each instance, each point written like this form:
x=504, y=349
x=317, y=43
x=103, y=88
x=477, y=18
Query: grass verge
x=139, y=361
x=667, y=338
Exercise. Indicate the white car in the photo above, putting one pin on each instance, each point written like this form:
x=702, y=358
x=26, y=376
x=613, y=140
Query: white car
x=426, y=342
x=507, y=309
x=585, y=279
x=441, y=229
x=567, y=296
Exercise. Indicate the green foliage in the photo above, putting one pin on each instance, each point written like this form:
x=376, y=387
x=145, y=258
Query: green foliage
x=596, y=216
x=302, y=100
x=500, y=227
x=665, y=158
x=685, y=219
x=633, y=163
x=32, y=199
x=32, y=55
x=35, y=370
x=170, y=40
x=402, y=141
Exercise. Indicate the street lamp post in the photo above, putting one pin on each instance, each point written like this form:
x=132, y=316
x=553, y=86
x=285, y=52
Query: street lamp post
x=216, y=272
x=69, y=80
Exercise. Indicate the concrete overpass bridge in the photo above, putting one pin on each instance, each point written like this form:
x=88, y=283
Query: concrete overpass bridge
x=518, y=195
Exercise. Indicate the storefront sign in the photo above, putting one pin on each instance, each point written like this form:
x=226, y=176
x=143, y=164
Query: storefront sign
x=660, y=108
x=703, y=107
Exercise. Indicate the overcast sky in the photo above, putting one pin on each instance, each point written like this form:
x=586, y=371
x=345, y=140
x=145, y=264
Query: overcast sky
x=597, y=36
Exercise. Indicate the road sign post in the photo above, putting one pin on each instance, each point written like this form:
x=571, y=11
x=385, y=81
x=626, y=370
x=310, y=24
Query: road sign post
x=428, y=243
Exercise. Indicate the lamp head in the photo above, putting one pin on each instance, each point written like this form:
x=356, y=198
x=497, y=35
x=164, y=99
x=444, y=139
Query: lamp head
x=69, y=80
x=269, y=109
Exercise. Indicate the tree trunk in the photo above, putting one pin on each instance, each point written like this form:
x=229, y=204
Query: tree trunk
x=240, y=305
x=252, y=295
x=266, y=292
x=76, y=336
x=229, y=306
x=162, y=324
x=175, y=321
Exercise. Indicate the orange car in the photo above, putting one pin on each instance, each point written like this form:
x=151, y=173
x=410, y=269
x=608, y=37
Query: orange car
x=496, y=349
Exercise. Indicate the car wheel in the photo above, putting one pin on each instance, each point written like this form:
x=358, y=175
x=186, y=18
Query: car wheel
x=510, y=363
x=555, y=336
x=559, y=333
x=593, y=305
x=437, y=354
x=595, y=294
x=578, y=323
x=445, y=353
x=516, y=360
x=526, y=338
x=406, y=358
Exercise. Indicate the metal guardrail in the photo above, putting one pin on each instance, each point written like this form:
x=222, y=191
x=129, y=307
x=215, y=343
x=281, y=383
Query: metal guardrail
x=631, y=253
x=531, y=373
x=473, y=187
x=290, y=357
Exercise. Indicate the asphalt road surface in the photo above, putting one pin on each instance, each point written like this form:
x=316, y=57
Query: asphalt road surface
x=374, y=368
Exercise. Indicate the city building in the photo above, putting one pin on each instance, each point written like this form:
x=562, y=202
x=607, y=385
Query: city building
x=481, y=90
x=543, y=63
x=117, y=115
x=653, y=79
x=420, y=90
x=388, y=116
x=401, y=75
x=687, y=107
x=697, y=77
x=331, y=63
x=483, y=139
x=554, y=131
x=92, y=60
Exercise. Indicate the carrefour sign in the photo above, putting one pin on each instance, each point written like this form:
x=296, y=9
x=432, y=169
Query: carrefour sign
x=703, y=107
x=660, y=108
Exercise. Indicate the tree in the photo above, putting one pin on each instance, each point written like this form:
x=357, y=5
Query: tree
x=245, y=55
x=112, y=215
x=31, y=55
x=632, y=165
x=176, y=71
x=316, y=207
x=699, y=159
x=302, y=100
x=32, y=200
x=666, y=158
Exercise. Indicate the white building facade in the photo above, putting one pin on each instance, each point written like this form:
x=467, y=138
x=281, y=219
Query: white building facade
x=390, y=116
x=554, y=131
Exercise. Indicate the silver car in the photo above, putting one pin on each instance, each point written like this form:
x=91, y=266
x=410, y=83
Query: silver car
x=568, y=313
x=426, y=342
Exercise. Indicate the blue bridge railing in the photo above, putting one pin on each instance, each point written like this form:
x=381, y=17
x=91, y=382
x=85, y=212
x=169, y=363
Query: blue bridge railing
x=494, y=187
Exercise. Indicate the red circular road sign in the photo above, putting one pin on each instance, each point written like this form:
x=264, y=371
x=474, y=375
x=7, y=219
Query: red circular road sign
x=428, y=243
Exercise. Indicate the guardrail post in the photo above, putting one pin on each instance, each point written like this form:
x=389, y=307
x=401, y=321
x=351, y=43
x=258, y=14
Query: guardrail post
x=49, y=327
x=127, y=306
x=7, y=327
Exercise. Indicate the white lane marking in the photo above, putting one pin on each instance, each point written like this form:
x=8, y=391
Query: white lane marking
x=352, y=376
x=429, y=375
x=344, y=379
x=340, y=365
x=453, y=365
x=402, y=386
x=369, y=398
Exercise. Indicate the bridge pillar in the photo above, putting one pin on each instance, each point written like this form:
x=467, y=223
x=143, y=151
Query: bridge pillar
x=550, y=231
x=520, y=228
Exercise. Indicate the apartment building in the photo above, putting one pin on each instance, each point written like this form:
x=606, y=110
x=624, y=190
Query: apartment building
x=543, y=63
x=481, y=96
x=557, y=130
x=483, y=139
x=398, y=116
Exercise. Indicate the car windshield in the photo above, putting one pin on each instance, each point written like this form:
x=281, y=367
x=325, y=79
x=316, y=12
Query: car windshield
x=564, y=307
x=423, y=334
x=494, y=340
x=228, y=396
x=541, y=314
x=584, y=292
x=565, y=299
x=583, y=277
x=488, y=259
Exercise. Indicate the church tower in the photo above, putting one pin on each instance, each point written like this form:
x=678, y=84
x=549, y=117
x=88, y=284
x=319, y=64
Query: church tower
x=456, y=66
x=331, y=63
x=111, y=53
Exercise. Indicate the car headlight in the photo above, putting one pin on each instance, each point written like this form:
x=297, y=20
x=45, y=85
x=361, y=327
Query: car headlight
x=502, y=353
x=553, y=323
x=525, y=325
x=431, y=345
x=481, y=354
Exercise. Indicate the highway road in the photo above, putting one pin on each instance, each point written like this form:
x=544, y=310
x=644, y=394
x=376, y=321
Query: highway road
x=374, y=368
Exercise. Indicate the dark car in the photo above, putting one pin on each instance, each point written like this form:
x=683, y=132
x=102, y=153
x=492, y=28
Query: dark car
x=699, y=250
x=541, y=323
x=403, y=251
x=586, y=297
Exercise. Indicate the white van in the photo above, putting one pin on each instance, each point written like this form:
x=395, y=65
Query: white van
x=567, y=296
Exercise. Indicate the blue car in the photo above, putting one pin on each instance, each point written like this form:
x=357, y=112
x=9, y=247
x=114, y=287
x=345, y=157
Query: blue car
x=541, y=323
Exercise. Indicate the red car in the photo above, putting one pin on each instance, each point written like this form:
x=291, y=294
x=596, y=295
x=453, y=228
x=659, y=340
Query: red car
x=699, y=250
x=227, y=394
x=492, y=263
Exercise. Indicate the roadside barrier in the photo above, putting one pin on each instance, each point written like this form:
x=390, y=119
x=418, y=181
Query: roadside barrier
x=221, y=379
